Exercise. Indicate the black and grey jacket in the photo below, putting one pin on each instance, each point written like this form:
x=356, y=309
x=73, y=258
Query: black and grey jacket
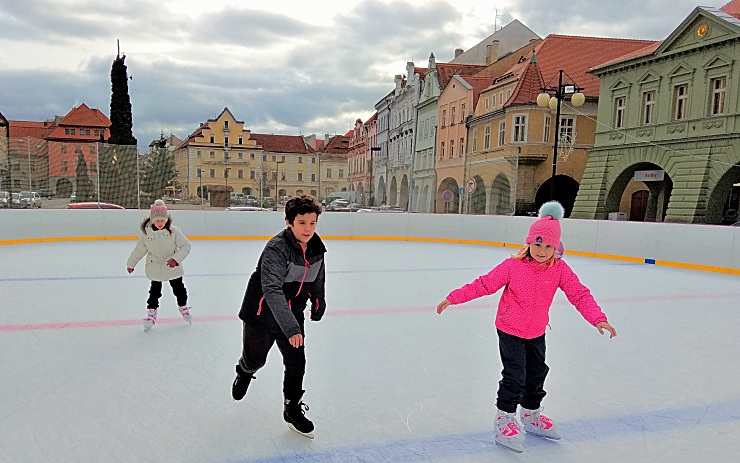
x=285, y=279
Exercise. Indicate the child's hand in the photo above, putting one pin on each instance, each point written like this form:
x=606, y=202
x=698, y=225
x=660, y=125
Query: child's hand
x=296, y=340
x=606, y=326
x=129, y=270
x=172, y=263
x=443, y=305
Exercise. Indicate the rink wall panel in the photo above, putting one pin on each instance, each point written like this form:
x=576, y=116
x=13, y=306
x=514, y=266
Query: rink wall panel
x=705, y=247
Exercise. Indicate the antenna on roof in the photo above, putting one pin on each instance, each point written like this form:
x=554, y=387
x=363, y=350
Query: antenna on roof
x=118, y=45
x=495, y=19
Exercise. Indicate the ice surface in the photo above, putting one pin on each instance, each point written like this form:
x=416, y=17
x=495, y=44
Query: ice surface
x=388, y=380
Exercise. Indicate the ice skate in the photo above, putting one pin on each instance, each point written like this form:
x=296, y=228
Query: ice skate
x=241, y=383
x=185, y=312
x=508, y=433
x=538, y=424
x=295, y=416
x=151, y=319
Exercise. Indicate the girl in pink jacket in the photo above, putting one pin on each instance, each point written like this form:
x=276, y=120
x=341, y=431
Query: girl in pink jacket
x=530, y=280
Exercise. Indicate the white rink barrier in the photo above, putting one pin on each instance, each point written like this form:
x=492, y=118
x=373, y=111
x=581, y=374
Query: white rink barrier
x=700, y=247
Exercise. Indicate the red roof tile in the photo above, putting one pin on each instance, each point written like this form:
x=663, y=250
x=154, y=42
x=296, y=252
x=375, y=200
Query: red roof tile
x=282, y=143
x=445, y=71
x=21, y=129
x=83, y=116
x=338, y=145
x=479, y=83
x=635, y=54
x=529, y=86
x=732, y=8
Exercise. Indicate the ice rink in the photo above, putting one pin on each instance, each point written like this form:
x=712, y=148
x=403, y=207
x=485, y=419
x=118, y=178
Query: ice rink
x=388, y=380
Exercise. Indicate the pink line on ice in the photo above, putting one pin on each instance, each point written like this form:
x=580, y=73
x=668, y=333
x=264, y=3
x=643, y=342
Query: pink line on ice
x=604, y=302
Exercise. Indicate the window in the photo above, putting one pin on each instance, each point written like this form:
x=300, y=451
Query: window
x=63, y=149
x=282, y=175
x=264, y=158
x=64, y=166
x=241, y=140
x=199, y=172
x=567, y=125
x=718, y=95
x=680, y=100
x=475, y=139
x=226, y=141
x=508, y=94
x=274, y=175
x=252, y=174
x=313, y=177
x=444, y=118
x=452, y=149
x=619, y=110
x=227, y=171
x=328, y=173
x=462, y=113
x=240, y=156
x=442, y=151
x=648, y=107
x=213, y=139
x=462, y=146
x=500, y=98
x=212, y=155
x=240, y=173
x=212, y=173
x=501, y=133
x=452, y=116
x=274, y=158
x=300, y=159
x=84, y=131
x=200, y=154
x=226, y=125
x=488, y=102
x=487, y=137
x=520, y=129
x=546, y=131
x=341, y=173
x=300, y=176
x=69, y=131
x=282, y=159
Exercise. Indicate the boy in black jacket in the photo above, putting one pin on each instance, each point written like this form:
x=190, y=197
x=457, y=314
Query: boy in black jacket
x=290, y=272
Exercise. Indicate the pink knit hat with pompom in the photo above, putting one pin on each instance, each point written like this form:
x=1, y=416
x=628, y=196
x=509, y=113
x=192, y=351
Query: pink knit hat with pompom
x=546, y=229
x=158, y=211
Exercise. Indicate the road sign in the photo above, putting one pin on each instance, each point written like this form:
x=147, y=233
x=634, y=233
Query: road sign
x=461, y=191
x=470, y=185
x=447, y=196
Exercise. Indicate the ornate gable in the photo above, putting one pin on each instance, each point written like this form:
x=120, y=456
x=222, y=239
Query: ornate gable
x=701, y=28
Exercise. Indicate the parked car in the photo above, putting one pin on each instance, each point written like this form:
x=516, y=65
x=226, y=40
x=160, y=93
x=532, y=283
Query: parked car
x=246, y=208
x=31, y=198
x=93, y=206
x=4, y=199
x=47, y=193
x=15, y=201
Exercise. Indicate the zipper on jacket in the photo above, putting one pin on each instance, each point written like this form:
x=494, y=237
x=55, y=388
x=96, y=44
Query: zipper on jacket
x=305, y=271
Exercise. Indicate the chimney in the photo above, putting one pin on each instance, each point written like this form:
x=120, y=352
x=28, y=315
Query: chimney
x=326, y=140
x=398, y=79
x=492, y=52
x=458, y=52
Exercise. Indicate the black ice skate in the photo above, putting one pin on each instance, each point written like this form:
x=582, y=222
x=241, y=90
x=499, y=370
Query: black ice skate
x=241, y=383
x=295, y=416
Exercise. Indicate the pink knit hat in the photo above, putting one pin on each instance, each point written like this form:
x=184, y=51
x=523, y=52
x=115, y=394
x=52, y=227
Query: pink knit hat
x=546, y=229
x=158, y=211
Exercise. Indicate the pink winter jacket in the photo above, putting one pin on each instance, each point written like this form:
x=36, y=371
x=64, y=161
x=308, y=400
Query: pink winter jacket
x=529, y=288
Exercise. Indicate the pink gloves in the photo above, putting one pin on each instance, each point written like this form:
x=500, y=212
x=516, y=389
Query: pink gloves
x=129, y=270
x=172, y=263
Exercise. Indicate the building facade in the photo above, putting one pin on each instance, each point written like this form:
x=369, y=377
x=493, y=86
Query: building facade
x=668, y=141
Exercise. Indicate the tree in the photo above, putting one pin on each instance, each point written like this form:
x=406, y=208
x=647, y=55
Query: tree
x=118, y=160
x=84, y=189
x=160, y=171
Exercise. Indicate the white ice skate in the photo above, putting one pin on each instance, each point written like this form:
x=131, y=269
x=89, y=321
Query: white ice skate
x=185, y=312
x=508, y=433
x=538, y=424
x=151, y=319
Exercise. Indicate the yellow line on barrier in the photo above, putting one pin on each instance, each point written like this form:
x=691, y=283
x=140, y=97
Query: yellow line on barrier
x=665, y=263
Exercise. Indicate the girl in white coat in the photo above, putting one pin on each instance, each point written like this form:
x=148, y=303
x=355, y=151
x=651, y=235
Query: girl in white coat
x=165, y=247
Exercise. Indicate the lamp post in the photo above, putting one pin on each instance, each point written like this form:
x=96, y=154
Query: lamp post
x=552, y=97
x=277, y=174
x=200, y=183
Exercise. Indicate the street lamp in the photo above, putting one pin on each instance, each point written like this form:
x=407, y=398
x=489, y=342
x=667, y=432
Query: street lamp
x=552, y=97
x=277, y=173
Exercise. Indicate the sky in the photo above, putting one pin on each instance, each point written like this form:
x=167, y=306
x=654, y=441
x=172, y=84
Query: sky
x=281, y=66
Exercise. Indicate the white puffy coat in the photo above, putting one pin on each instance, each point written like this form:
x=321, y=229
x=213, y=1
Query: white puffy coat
x=159, y=246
